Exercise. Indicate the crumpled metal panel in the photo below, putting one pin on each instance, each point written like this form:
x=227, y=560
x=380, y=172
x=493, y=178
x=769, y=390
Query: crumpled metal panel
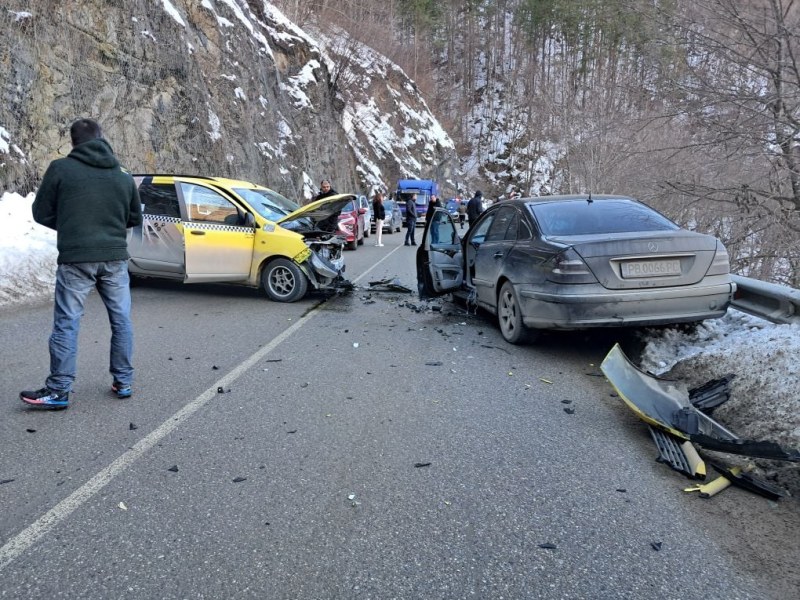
x=662, y=404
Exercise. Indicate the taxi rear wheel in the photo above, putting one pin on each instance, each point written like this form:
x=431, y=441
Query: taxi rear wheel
x=283, y=281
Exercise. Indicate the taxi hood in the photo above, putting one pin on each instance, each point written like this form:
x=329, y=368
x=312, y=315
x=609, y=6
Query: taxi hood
x=320, y=210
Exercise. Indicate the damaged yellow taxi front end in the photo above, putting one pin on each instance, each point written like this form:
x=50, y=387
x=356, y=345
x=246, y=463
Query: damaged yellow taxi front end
x=210, y=229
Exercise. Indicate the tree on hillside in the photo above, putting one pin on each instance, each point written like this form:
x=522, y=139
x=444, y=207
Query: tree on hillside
x=740, y=91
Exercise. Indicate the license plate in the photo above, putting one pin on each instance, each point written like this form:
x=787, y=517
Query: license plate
x=651, y=268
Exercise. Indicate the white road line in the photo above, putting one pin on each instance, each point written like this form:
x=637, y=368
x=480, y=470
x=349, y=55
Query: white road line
x=39, y=528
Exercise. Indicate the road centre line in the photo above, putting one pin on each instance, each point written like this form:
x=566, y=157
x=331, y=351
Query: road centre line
x=39, y=528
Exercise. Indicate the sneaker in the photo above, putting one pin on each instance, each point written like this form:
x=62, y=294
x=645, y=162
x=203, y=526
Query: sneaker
x=413, y=243
x=406, y=244
x=380, y=245
x=45, y=398
x=122, y=390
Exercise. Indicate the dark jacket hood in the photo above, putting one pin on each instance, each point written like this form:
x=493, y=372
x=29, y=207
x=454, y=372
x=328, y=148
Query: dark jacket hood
x=95, y=153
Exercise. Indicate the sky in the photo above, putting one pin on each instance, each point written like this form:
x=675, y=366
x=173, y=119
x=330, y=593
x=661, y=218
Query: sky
x=764, y=404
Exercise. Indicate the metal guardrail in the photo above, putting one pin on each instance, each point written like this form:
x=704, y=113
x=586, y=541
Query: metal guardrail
x=776, y=303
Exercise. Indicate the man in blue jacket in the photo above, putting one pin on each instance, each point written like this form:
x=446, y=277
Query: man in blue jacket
x=91, y=202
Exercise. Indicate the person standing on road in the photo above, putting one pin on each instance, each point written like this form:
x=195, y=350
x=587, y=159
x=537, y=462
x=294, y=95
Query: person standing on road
x=380, y=215
x=411, y=219
x=474, y=208
x=462, y=211
x=91, y=202
x=433, y=204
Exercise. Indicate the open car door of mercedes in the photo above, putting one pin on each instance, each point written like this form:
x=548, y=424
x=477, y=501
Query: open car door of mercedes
x=440, y=258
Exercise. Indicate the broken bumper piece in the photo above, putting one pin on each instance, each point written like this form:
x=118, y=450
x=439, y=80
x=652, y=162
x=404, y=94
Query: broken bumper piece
x=678, y=454
x=660, y=403
x=326, y=269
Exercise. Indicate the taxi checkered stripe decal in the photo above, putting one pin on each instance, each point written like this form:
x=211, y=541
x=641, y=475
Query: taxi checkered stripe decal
x=197, y=224
x=162, y=218
x=216, y=226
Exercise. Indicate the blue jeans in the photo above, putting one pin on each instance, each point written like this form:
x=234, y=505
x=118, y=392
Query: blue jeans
x=434, y=229
x=411, y=229
x=73, y=284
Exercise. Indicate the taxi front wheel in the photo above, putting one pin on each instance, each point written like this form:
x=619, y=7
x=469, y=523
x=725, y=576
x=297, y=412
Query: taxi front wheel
x=283, y=281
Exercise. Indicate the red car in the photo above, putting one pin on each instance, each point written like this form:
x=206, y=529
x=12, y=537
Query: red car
x=352, y=225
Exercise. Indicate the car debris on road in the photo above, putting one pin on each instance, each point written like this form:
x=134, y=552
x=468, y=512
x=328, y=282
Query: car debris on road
x=678, y=420
x=389, y=285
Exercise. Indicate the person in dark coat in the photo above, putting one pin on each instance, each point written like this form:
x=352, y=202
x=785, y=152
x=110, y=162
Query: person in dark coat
x=474, y=208
x=91, y=202
x=330, y=224
x=433, y=204
x=380, y=214
x=325, y=190
x=411, y=219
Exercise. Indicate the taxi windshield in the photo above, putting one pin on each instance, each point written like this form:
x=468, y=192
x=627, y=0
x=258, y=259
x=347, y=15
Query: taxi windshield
x=268, y=203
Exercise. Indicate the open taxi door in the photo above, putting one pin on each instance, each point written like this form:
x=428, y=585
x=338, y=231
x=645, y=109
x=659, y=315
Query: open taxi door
x=440, y=263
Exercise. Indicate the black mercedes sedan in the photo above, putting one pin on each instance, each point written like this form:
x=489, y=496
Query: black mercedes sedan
x=576, y=262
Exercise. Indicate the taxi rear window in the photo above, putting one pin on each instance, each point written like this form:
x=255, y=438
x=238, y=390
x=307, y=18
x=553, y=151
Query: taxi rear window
x=159, y=199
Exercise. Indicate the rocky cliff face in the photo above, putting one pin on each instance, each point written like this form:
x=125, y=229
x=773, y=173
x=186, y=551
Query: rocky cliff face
x=218, y=87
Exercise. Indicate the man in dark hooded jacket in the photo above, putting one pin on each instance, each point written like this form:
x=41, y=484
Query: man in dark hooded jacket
x=475, y=208
x=91, y=202
x=325, y=190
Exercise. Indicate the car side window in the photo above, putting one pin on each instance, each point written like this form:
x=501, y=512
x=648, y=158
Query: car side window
x=497, y=231
x=442, y=230
x=208, y=206
x=159, y=199
x=480, y=230
x=513, y=228
x=524, y=231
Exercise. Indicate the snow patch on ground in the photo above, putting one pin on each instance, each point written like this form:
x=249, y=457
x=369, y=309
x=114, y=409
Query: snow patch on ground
x=27, y=253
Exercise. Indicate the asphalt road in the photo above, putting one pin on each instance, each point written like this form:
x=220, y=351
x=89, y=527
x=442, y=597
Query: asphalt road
x=360, y=448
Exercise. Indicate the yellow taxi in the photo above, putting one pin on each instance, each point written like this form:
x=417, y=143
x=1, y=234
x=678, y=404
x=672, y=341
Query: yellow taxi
x=210, y=229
